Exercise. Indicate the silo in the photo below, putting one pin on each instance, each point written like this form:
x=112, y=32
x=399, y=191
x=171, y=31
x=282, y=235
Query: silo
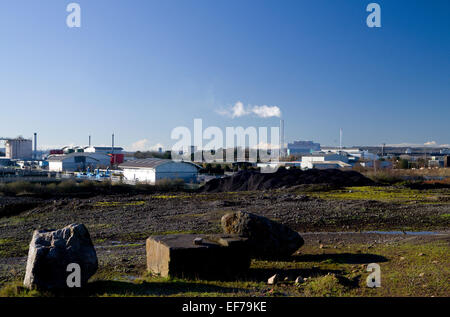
x=19, y=149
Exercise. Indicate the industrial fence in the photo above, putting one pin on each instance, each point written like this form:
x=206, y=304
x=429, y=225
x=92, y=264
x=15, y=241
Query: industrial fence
x=31, y=179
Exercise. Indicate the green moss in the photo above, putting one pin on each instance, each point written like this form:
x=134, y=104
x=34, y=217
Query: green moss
x=13, y=248
x=16, y=289
x=5, y=241
x=118, y=203
x=99, y=226
x=328, y=285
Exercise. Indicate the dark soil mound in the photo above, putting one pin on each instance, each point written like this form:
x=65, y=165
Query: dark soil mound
x=253, y=180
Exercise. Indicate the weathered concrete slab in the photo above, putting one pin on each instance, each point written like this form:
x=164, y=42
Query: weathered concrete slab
x=218, y=256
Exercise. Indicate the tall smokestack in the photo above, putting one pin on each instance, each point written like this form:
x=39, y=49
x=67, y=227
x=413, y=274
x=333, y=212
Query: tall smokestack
x=35, y=145
x=340, y=139
x=112, y=148
x=89, y=141
x=282, y=138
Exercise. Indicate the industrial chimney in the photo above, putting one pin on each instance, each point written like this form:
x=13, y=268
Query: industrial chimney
x=282, y=138
x=35, y=145
x=112, y=148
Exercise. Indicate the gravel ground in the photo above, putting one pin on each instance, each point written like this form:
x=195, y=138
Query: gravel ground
x=119, y=224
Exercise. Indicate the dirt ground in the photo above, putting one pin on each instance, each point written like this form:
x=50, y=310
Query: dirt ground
x=332, y=224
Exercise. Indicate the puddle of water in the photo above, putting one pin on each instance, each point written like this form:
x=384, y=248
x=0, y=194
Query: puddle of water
x=130, y=277
x=413, y=233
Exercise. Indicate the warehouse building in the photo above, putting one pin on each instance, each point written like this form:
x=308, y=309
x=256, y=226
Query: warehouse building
x=152, y=169
x=77, y=161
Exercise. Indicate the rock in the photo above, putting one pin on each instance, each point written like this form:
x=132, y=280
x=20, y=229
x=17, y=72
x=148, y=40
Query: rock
x=273, y=279
x=266, y=238
x=51, y=251
x=198, y=241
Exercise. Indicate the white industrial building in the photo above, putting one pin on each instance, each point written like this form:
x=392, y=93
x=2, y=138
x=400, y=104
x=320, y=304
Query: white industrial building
x=324, y=157
x=325, y=165
x=325, y=160
x=77, y=161
x=152, y=169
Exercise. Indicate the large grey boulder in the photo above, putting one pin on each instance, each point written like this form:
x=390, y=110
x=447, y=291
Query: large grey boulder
x=266, y=238
x=50, y=253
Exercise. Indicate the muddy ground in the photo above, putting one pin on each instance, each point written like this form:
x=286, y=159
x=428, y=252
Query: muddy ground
x=119, y=224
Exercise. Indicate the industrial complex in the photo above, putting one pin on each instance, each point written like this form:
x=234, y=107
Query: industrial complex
x=20, y=157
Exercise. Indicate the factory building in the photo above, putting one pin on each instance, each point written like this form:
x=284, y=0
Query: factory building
x=302, y=147
x=355, y=152
x=325, y=165
x=324, y=157
x=19, y=149
x=77, y=161
x=152, y=169
x=103, y=149
x=324, y=161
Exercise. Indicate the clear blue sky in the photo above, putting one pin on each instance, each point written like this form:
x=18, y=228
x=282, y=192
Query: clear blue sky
x=141, y=68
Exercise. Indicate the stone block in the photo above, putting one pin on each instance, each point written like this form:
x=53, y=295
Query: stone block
x=178, y=256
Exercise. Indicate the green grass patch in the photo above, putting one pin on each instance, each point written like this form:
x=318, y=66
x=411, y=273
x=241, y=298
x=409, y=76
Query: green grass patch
x=409, y=268
x=385, y=193
x=118, y=203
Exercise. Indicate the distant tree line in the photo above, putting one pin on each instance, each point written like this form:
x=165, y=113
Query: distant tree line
x=153, y=154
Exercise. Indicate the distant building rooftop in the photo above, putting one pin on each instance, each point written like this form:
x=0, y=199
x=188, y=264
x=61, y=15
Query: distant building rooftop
x=62, y=157
x=150, y=163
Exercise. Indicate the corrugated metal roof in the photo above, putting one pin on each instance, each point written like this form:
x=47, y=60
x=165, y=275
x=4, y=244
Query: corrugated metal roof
x=59, y=157
x=149, y=163
x=145, y=163
x=105, y=148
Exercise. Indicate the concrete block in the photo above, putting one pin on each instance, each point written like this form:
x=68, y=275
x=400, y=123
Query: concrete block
x=177, y=256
